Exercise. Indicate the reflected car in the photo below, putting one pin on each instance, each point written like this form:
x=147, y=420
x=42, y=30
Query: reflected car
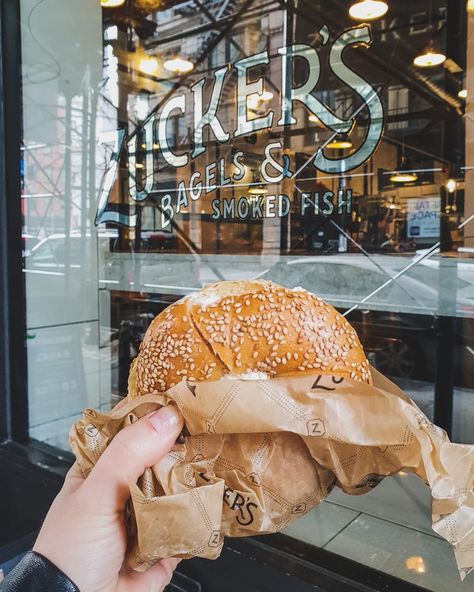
x=397, y=324
x=28, y=242
x=64, y=272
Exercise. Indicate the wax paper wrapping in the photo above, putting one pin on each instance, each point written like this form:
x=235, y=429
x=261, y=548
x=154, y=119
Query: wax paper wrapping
x=264, y=452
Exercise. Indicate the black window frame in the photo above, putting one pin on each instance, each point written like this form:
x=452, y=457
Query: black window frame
x=13, y=362
x=47, y=466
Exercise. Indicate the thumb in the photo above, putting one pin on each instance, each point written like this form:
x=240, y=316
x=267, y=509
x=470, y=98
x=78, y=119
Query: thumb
x=131, y=451
x=154, y=579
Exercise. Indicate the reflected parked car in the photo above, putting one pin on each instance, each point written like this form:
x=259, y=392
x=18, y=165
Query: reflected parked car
x=64, y=272
x=398, y=323
x=28, y=243
x=61, y=278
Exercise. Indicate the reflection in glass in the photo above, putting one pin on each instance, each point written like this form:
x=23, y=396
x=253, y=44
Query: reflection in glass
x=185, y=144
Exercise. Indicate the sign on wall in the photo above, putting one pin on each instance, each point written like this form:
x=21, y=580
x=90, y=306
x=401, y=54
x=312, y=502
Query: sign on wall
x=274, y=165
x=423, y=217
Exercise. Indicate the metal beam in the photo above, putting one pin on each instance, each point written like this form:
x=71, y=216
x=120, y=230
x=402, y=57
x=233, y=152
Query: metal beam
x=13, y=366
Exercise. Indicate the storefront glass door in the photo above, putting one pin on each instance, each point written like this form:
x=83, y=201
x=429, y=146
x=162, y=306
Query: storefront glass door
x=168, y=145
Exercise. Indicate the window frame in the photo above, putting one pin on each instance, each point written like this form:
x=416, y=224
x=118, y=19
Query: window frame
x=13, y=362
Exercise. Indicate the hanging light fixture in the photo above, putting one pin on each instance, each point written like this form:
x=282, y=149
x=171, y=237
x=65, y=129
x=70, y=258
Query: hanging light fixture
x=178, y=65
x=429, y=58
x=340, y=142
x=404, y=174
x=148, y=65
x=112, y=3
x=254, y=100
x=368, y=10
x=266, y=95
x=403, y=177
x=259, y=189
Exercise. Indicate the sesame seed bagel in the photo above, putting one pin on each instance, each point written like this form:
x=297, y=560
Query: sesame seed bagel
x=246, y=327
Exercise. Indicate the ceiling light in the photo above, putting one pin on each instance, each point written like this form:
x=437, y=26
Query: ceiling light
x=314, y=118
x=178, y=65
x=340, y=142
x=404, y=172
x=462, y=94
x=254, y=100
x=258, y=190
x=451, y=185
x=403, y=177
x=111, y=3
x=368, y=10
x=148, y=65
x=429, y=58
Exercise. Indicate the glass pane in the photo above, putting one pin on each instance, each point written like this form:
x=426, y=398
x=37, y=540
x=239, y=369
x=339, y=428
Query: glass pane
x=168, y=145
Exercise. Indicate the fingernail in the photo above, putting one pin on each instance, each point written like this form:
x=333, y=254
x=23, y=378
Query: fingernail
x=165, y=420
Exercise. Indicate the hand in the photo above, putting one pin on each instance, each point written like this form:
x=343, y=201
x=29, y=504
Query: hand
x=84, y=533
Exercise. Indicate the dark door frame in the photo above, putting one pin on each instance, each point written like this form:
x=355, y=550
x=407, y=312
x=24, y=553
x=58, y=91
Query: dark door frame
x=13, y=364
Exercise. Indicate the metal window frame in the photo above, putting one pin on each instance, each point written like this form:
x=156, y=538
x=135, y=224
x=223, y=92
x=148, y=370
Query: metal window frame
x=13, y=364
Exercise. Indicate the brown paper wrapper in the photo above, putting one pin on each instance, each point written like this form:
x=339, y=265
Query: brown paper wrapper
x=264, y=452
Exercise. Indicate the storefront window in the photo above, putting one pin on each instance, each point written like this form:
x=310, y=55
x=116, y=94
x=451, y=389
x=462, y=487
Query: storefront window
x=168, y=145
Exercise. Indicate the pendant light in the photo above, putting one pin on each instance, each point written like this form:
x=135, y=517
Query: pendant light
x=257, y=190
x=112, y=3
x=254, y=100
x=257, y=187
x=148, y=65
x=429, y=57
x=315, y=119
x=178, y=65
x=368, y=10
x=403, y=177
x=340, y=142
x=403, y=174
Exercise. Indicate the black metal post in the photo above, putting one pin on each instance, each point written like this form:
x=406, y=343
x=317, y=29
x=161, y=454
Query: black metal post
x=13, y=365
x=447, y=293
x=456, y=34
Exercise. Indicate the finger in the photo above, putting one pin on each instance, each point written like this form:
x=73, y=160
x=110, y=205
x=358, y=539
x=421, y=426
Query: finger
x=74, y=478
x=133, y=449
x=154, y=579
x=121, y=403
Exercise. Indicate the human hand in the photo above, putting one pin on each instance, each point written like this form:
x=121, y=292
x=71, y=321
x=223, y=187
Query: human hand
x=84, y=532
